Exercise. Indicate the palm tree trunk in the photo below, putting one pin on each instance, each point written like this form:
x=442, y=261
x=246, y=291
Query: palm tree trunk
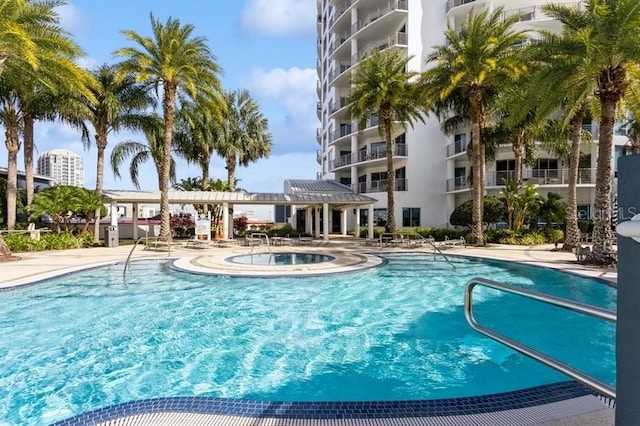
x=572, y=237
x=13, y=146
x=205, y=181
x=168, y=108
x=602, y=204
x=635, y=144
x=28, y=156
x=391, y=183
x=101, y=143
x=231, y=172
x=518, y=154
x=477, y=234
x=5, y=252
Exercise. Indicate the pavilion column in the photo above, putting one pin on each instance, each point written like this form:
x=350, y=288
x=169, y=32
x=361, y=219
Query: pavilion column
x=343, y=225
x=134, y=221
x=114, y=213
x=308, y=222
x=293, y=219
x=370, y=222
x=225, y=220
x=325, y=221
x=316, y=225
x=357, y=230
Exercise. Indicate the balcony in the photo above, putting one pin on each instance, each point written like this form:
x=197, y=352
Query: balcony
x=319, y=156
x=319, y=136
x=336, y=106
x=455, y=3
x=380, y=186
x=319, y=110
x=458, y=147
x=548, y=177
x=399, y=150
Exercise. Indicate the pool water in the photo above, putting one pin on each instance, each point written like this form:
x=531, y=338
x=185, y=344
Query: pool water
x=280, y=259
x=398, y=332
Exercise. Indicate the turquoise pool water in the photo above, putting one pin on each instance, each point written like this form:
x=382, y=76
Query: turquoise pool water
x=397, y=332
x=282, y=258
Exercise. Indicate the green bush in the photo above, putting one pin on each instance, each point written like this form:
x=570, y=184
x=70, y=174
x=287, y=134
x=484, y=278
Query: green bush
x=48, y=241
x=532, y=238
x=554, y=236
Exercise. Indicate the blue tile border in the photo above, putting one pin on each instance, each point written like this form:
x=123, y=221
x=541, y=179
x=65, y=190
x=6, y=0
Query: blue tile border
x=538, y=395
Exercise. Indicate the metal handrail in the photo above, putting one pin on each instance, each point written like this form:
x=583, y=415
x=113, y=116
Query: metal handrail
x=260, y=234
x=594, y=311
x=128, y=262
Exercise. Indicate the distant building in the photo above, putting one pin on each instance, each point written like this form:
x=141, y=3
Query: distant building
x=39, y=182
x=64, y=166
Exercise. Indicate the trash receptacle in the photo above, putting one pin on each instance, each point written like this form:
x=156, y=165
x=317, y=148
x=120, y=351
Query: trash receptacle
x=111, y=237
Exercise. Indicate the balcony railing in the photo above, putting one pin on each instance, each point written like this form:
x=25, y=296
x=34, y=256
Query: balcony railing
x=352, y=127
x=319, y=136
x=457, y=147
x=534, y=176
x=399, y=150
x=319, y=156
x=454, y=3
x=380, y=186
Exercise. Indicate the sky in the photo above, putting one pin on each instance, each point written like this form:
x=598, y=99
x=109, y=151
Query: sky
x=265, y=46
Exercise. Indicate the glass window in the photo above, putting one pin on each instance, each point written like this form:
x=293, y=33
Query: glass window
x=379, y=217
x=410, y=216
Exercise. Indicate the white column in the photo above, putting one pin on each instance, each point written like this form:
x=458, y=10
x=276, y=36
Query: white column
x=343, y=216
x=370, y=221
x=316, y=225
x=308, y=221
x=134, y=220
x=114, y=213
x=225, y=220
x=325, y=221
x=293, y=220
x=357, y=221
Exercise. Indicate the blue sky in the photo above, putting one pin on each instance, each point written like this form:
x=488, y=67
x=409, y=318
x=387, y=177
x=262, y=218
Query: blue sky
x=265, y=46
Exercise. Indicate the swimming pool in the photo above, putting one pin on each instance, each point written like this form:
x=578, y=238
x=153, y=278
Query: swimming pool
x=398, y=332
x=280, y=258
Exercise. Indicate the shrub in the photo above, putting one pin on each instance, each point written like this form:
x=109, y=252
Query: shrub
x=48, y=241
x=554, y=236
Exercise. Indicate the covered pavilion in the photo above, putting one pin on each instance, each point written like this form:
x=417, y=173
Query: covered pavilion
x=310, y=195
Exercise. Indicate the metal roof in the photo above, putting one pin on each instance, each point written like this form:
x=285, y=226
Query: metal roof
x=209, y=197
x=324, y=186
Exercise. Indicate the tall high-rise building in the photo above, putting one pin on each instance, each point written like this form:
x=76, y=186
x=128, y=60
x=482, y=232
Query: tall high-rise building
x=64, y=166
x=432, y=169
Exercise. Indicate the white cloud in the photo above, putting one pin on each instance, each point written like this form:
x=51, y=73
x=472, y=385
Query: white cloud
x=290, y=95
x=70, y=18
x=279, y=17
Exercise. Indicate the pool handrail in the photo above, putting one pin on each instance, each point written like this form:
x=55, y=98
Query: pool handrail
x=258, y=236
x=597, y=385
x=127, y=263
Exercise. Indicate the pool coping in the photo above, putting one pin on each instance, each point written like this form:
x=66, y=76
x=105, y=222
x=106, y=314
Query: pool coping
x=450, y=407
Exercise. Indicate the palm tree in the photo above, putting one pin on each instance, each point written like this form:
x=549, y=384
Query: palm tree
x=178, y=63
x=243, y=137
x=562, y=83
x=119, y=104
x=605, y=32
x=195, y=133
x=38, y=53
x=140, y=153
x=382, y=87
x=57, y=202
x=467, y=75
x=90, y=206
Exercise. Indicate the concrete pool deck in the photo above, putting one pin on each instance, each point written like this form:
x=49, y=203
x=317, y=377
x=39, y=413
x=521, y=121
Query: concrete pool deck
x=350, y=255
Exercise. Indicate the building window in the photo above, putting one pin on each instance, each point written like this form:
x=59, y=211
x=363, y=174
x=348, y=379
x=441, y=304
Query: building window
x=379, y=217
x=505, y=170
x=410, y=216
